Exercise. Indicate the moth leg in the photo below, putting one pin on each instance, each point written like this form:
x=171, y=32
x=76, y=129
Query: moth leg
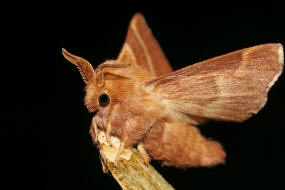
x=109, y=121
x=120, y=151
x=103, y=162
x=95, y=127
x=143, y=153
x=104, y=167
x=108, y=133
x=124, y=138
x=94, y=131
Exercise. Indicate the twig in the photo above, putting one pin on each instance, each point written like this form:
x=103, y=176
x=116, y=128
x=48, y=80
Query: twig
x=130, y=171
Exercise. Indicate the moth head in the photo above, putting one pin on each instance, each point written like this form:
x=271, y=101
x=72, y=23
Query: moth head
x=102, y=87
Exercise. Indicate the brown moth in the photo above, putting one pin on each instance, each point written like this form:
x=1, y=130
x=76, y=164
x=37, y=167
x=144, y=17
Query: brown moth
x=140, y=100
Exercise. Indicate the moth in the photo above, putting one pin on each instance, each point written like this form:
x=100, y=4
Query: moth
x=142, y=101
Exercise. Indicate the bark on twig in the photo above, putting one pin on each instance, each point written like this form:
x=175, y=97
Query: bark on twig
x=130, y=171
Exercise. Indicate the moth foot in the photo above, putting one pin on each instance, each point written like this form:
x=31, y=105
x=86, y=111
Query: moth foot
x=104, y=167
x=118, y=155
x=108, y=138
x=94, y=131
x=143, y=153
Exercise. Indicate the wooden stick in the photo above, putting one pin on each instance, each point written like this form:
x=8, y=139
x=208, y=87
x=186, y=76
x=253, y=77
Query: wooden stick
x=130, y=171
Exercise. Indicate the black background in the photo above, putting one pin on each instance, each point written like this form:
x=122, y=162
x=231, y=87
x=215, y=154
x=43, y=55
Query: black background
x=47, y=144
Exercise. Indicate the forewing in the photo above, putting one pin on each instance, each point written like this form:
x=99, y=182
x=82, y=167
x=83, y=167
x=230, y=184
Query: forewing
x=231, y=87
x=142, y=48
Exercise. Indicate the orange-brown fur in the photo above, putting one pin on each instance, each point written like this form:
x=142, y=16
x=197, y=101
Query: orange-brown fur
x=230, y=87
x=157, y=110
x=181, y=145
x=129, y=117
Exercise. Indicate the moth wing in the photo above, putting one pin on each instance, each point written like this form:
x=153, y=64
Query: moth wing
x=231, y=87
x=141, y=48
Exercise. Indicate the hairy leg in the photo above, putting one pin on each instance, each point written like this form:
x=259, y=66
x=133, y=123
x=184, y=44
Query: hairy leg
x=94, y=131
x=143, y=153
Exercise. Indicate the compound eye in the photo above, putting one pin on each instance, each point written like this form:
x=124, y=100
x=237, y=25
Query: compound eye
x=104, y=100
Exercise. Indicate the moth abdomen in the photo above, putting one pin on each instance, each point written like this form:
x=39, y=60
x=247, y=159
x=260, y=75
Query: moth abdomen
x=180, y=145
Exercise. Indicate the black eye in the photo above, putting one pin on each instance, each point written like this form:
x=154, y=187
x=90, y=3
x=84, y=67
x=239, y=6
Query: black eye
x=104, y=100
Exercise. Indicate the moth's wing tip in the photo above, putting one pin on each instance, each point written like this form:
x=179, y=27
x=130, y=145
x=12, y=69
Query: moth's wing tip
x=137, y=17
